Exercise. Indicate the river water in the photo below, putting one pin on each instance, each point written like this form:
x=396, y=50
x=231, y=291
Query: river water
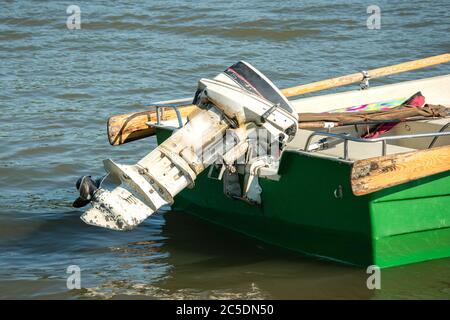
x=58, y=87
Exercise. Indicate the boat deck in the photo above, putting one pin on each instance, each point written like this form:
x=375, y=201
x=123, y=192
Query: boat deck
x=435, y=92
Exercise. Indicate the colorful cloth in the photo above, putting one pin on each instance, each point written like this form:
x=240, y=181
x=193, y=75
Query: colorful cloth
x=376, y=106
x=417, y=100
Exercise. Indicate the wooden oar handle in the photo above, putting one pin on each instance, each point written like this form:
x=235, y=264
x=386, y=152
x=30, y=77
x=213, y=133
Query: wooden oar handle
x=133, y=126
x=358, y=77
x=129, y=127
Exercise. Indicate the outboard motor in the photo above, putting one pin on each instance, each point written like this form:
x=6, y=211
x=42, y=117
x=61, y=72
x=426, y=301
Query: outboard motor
x=235, y=104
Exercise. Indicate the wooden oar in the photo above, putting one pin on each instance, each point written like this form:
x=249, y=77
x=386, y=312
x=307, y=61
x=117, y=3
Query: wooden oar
x=373, y=74
x=373, y=174
x=132, y=126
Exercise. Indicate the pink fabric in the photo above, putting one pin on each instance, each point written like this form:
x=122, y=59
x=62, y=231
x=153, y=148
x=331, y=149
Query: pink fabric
x=417, y=100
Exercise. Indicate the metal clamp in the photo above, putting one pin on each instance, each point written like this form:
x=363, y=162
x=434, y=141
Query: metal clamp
x=266, y=114
x=364, y=84
x=160, y=110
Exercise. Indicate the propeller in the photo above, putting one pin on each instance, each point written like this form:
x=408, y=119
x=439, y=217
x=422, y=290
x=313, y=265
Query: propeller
x=87, y=188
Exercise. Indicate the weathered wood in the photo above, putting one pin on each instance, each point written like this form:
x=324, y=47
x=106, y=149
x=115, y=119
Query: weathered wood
x=133, y=126
x=373, y=174
x=129, y=127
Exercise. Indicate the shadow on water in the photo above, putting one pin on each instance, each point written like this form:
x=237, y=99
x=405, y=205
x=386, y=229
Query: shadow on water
x=204, y=261
x=176, y=256
x=213, y=260
x=171, y=256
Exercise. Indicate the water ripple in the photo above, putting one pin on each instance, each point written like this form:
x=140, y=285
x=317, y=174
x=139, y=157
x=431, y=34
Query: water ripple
x=59, y=86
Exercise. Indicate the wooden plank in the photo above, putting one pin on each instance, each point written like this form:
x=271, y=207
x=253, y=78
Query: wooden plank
x=373, y=174
x=133, y=126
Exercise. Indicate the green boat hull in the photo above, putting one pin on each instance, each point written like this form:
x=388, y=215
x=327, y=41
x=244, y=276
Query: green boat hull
x=304, y=212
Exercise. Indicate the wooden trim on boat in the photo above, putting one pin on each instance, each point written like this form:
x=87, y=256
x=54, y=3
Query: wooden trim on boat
x=373, y=174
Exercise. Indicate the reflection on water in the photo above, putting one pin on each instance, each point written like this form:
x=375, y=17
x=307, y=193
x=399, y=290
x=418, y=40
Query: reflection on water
x=185, y=258
x=59, y=86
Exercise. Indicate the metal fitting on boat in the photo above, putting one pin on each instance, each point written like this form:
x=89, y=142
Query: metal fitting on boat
x=364, y=84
